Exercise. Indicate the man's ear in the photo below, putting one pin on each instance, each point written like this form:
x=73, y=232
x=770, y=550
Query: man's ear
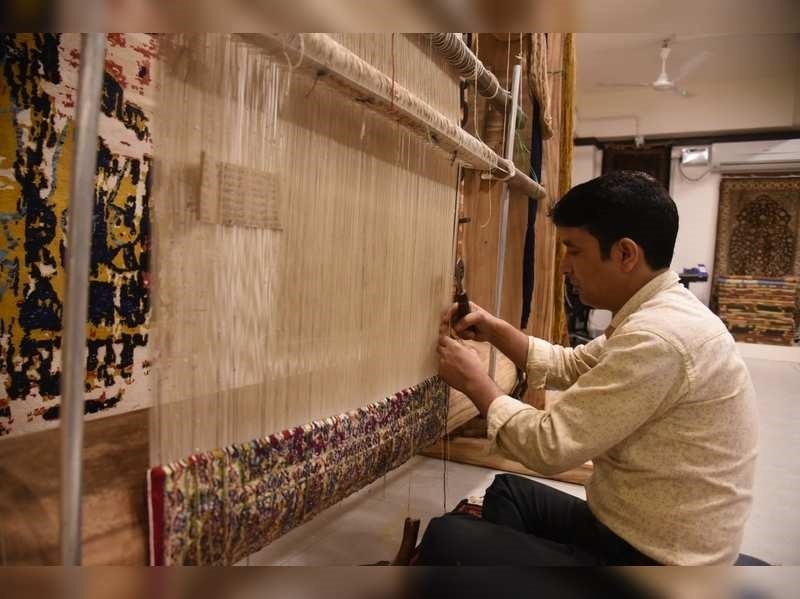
x=629, y=254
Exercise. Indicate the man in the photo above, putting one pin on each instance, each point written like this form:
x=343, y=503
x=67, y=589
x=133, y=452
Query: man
x=662, y=403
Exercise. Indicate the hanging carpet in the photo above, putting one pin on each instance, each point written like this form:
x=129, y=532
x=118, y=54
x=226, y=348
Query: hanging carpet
x=757, y=260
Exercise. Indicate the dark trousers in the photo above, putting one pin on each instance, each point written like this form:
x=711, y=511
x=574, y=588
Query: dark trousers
x=526, y=523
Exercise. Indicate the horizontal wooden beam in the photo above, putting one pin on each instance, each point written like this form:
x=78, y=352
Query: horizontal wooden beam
x=473, y=451
x=693, y=139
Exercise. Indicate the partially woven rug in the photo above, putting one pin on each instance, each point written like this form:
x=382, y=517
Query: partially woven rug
x=219, y=507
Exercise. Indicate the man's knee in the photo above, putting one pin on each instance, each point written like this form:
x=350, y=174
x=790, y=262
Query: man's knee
x=438, y=536
x=506, y=484
x=446, y=538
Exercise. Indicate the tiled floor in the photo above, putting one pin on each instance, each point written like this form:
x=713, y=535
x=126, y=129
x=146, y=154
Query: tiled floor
x=773, y=532
x=367, y=527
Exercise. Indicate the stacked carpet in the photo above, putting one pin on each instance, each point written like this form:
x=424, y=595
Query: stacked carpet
x=759, y=310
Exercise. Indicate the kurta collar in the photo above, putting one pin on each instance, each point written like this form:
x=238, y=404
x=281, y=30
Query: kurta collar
x=658, y=284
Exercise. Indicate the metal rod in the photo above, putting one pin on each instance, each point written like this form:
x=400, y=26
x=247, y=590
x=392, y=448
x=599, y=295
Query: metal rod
x=501, y=254
x=73, y=343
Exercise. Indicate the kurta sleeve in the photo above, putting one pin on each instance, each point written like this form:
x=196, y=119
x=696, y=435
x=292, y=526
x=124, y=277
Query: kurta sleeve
x=557, y=367
x=634, y=377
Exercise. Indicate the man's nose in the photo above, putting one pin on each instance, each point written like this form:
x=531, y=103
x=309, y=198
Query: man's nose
x=565, y=267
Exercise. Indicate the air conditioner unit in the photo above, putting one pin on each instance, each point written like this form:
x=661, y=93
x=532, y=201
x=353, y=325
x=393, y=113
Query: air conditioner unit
x=756, y=156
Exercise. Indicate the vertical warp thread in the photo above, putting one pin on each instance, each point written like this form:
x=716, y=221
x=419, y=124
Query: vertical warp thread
x=272, y=358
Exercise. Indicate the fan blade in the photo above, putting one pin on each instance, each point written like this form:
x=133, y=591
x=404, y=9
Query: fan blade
x=692, y=64
x=601, y=84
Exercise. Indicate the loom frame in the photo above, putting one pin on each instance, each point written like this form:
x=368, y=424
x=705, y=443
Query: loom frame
x=451, y=46
x=320, y=56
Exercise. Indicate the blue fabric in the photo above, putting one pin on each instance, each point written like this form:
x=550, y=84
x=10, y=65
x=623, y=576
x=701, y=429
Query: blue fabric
x=530, y=231
x=749, y=560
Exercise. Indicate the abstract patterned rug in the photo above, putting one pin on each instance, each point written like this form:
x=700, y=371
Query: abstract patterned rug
x=758, y=236
x=221, y=506
x=38, y=91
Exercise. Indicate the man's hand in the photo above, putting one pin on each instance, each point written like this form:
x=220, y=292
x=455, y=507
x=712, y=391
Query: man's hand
x=478, y=325
x=462, y=369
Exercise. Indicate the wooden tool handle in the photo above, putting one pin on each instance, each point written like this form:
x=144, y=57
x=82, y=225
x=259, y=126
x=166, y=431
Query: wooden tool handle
x=463, y=306
x=463, y=309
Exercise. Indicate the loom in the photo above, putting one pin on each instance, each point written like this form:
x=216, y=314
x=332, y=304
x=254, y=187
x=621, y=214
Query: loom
x=301, y=196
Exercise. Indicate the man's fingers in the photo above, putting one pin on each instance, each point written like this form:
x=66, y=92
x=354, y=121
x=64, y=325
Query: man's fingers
x=447, y=315
x=466, y=322
x=442, y=343
x=446, y=341
x=444, y=327
x=467, y=335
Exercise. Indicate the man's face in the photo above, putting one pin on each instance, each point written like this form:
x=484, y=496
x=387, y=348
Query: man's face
x=592, y=276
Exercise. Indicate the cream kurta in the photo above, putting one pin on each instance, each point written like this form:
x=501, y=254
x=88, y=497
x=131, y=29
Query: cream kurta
x=664, y=406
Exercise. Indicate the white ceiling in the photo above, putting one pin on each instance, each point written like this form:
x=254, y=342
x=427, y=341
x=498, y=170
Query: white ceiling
x=631, y=58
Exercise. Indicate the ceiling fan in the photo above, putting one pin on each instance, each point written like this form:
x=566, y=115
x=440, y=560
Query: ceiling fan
x=663, y=83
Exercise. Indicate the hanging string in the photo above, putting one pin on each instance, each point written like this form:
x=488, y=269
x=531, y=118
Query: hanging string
x=292, y=66
x=393, y=76
x=505, y=106
x=489, y=218
x=445, y=459
x=475, y=86
x=475, y=112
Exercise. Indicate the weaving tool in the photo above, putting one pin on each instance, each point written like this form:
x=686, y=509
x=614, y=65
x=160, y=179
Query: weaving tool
x=460, y=296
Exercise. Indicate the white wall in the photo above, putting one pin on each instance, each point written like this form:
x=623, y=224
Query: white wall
x=586, y=163
x=697, y=203
x=715, y=106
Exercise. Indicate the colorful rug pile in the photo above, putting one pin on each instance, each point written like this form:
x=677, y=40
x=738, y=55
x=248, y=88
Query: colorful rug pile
x=221, y=506
x=758, y=310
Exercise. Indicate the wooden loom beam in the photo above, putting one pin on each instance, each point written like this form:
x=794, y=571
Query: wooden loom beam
x=320, y=56
x=467, y=450
x=470, y=67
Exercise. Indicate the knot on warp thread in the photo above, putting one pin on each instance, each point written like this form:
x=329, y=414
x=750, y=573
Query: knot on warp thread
x=508, y=173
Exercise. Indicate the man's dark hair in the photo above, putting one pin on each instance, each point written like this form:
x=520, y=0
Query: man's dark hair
x=623, y=204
